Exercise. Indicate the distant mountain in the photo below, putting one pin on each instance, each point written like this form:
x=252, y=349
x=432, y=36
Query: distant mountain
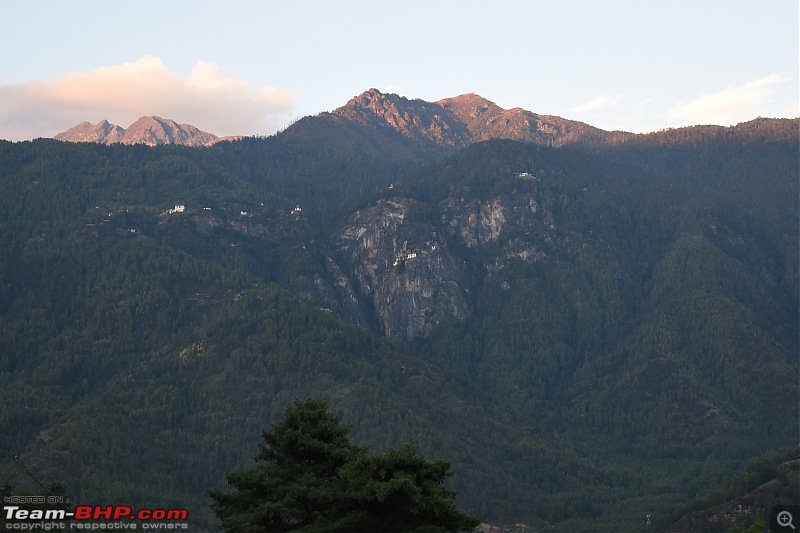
x=486, y=120
x=149, y=130
x=103, y=132
x=389, y=124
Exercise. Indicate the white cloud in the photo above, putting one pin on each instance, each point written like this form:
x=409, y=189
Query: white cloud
x=728, y=106
x=601, y=102
x=211, y=98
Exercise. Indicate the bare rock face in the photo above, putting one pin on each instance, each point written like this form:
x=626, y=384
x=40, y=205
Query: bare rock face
x=404, y=269
x=411, y=271
x=485, y=226
x=103, y=132
x=462, y=120
x=396, y=126
x=478, y=222
x=151, y=131
x=486, y=120
x=156, y=130
x=416, y=120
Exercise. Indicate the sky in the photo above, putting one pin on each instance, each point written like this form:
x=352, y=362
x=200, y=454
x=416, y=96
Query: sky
x=251, y=67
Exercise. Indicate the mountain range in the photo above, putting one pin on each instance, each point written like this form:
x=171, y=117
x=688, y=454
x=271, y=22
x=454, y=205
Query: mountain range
x=395, y=126
x=593, y=326
x=373, y=120
x=150, y=130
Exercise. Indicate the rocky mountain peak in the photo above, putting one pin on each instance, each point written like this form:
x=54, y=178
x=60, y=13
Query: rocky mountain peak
x=391, y=107
x=153, y=130
x=149, y=130
x=393, y=125
x=470, y=106
x=422, y=122
x=370, y=99
x=102, y=132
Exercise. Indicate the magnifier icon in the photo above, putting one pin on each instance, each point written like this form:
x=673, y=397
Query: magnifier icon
x=784, y=519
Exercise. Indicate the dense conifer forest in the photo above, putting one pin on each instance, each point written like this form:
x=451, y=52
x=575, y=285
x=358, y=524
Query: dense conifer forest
x=629, y=355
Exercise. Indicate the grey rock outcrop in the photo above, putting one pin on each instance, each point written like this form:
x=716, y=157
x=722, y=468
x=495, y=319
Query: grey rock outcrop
x=404, y=269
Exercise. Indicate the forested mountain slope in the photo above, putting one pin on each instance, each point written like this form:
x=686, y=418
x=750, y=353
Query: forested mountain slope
x=590, y=336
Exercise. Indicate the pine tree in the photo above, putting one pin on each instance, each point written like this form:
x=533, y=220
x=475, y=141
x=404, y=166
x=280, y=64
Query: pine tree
x=310, y=479
x=400, y=491
x=296, y=484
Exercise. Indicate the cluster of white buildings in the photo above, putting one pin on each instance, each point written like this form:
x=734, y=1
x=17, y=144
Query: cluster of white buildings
x=179, y=208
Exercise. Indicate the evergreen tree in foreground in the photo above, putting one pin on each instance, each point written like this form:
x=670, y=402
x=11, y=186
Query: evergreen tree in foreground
x=310, y=479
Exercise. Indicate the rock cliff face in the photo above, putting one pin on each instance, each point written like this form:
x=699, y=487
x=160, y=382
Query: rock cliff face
x=413, y=273
x=475, y=223
x=404, y=269
x=415, y=264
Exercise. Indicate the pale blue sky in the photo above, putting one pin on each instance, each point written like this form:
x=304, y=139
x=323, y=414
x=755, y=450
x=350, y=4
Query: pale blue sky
x=249, y=67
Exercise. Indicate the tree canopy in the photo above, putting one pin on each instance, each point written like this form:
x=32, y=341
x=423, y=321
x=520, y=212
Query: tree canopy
x=309, y=478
